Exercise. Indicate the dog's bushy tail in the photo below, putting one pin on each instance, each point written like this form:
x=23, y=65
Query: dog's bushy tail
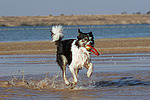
x=56, y=33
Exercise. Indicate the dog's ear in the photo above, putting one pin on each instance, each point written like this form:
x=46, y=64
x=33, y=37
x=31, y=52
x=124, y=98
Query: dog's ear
x=90, y=34
x=79, y=33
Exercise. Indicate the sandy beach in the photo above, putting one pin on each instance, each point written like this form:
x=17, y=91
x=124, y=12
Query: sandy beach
x=105, y=46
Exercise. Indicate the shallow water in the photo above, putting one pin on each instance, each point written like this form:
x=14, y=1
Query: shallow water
x=115, y=76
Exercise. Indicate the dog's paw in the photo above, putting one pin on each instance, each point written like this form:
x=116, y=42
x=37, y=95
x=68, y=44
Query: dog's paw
x=73, y=83
x=67, y=82
x=89, y=73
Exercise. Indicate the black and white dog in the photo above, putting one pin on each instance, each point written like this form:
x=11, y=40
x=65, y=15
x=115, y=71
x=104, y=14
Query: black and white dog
x=73, y=52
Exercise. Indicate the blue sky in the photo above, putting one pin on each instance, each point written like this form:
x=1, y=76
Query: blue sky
x=71, y=7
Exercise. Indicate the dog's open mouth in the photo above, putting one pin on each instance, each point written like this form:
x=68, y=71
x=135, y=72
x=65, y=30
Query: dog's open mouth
x=92, y=49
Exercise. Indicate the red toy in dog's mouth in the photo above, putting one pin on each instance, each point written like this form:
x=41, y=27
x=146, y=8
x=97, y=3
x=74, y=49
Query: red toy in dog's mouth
x=92, y=49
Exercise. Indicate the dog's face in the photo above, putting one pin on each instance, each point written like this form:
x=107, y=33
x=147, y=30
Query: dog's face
x=85, y=39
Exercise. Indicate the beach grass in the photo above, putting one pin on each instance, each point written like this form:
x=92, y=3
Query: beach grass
x=74, y=20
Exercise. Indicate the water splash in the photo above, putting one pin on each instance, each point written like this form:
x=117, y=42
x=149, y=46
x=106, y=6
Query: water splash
x=48, y=83
x=56, y=82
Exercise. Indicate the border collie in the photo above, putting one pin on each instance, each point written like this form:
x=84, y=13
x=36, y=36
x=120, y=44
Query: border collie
x=73, y=52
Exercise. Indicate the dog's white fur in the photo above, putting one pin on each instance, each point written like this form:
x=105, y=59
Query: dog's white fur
x=80, y=59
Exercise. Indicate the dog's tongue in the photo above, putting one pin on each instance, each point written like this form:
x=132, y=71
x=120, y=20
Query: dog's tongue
x=93, y=50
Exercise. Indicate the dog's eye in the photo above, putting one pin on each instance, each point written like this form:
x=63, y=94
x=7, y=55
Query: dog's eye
x=86, y=39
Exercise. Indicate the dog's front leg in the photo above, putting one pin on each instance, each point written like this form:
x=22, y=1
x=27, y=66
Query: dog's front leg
x=73, y=71
x=77, y=71
x=90, y=69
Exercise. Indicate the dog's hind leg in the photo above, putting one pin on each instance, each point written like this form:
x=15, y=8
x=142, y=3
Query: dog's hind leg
x=62, y=61
x=74, y=74
x=64, y=75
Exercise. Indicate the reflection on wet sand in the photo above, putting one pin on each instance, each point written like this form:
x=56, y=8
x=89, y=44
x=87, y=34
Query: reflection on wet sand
x=116, y=76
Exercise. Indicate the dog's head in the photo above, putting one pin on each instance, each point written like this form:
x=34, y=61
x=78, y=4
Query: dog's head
x=85, y=39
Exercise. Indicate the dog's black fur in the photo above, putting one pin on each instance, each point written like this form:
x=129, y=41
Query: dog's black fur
x=64, y=48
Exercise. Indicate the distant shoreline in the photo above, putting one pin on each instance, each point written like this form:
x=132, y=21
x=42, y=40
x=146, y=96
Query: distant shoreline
x=75, y=20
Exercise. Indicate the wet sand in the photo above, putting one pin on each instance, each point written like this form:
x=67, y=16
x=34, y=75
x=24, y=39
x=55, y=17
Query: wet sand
x=28, y=71
x=105, y=46
x=115, y=76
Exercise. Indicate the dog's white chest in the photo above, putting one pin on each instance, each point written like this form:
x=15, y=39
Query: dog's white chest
x=80, y=57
